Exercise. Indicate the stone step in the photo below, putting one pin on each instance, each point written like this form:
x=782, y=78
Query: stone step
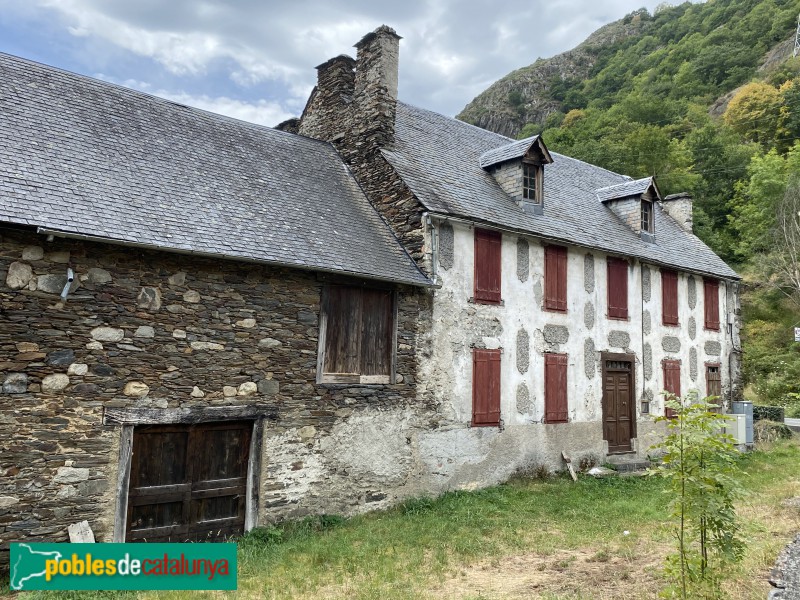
x=627, y=463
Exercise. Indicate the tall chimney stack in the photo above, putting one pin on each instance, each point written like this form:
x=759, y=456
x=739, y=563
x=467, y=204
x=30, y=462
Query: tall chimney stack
x=375, y=95
x=327, y=115
x=679, y=207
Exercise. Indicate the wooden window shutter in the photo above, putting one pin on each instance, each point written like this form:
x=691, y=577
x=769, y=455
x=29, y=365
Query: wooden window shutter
x=555, y=388
x=357, y=340
x=617, y=288
x=669, y=297
x=672, y=382
x=487, y=266
x=711, y=303
x=485, y=387
x=377, y=329
x=555, y=278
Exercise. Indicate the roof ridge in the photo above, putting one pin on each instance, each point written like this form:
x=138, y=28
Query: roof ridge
x=459, y=121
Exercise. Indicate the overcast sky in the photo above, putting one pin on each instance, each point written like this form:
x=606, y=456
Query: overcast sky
x=255, y=59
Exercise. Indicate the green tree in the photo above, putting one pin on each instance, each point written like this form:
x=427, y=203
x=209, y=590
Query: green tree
x=754, y=113
x=699, y=462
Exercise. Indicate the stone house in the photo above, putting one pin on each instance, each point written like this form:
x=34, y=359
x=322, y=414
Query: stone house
x=207, y=324
x=203, y=322
x=569, y=297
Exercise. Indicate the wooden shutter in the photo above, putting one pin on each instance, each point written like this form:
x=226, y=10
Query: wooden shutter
x=555, y=278
x=672, y=381
x=617, y=288
x=487, y=266
x=711, y=303
x=485, y=387
x=669, y=297
x=343, y=306
x=555, y=388
x=377, y=332
x=358, y=336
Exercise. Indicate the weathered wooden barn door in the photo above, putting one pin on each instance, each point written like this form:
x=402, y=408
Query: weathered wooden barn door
x=188, y=482
x=618, y=408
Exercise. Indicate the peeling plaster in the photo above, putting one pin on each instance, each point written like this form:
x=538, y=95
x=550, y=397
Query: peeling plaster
x=589, y=366
x=670, y=343
x=523, y=259
x=692, y=290
x=588, y=315
x=523, y=351
x=588, y=273
x=646, y=283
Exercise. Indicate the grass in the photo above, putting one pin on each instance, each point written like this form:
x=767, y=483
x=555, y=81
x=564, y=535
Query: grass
x=546, y=538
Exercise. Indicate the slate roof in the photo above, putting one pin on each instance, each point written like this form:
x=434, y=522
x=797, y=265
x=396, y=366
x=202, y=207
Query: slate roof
x=439, y=159
x=625, y=190
x=507, y=152
x=83, y=156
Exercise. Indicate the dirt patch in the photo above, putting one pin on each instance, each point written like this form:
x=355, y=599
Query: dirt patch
x=601, y=574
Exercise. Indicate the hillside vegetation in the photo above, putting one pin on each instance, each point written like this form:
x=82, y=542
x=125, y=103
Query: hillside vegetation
x=706, y=97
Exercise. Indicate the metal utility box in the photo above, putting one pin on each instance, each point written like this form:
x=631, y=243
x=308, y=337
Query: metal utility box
x=735, y=426
x=746, y=409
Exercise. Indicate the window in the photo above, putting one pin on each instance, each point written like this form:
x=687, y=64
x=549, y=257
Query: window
x=672, y=382
x=647, y=217
x=555, y=388
x=669, y=297
x=711, y=303
x=714, y=384
x=485, y=387
x=357, y=335
x=531, y=183
x=487, y=266
x=617, y=288
x=555, y=278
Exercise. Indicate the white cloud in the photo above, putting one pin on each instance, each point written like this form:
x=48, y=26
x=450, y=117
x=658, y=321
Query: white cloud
x=262, y=112
x=451, y=49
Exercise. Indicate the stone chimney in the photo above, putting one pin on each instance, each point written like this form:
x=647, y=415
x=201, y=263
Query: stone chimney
x=679, y=207
x=375, y=94
x=328, y=113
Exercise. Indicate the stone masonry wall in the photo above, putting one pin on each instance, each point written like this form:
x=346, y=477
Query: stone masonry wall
x=149, y=329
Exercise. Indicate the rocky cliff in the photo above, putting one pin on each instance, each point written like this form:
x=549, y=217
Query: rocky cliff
x=526, y=95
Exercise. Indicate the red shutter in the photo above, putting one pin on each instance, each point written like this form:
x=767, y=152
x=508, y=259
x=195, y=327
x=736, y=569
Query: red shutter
x=669, y=297
x=711, y=303
x=617, y=288
x=485, y=387
x=672, y=381
x=487, y=266
x=555, y=388
x=555, y=278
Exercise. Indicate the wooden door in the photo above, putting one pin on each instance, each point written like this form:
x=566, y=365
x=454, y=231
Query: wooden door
x=618, y=408
x=188, y=482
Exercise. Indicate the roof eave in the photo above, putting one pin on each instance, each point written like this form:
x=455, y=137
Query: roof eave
x=424, y=282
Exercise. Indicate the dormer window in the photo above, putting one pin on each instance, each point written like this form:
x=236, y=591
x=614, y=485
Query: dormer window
x=518, y=169
x=647, y=217
x=634, y=203
x=531, y=183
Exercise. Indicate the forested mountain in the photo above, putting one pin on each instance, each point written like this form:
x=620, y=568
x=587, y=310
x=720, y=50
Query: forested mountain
x=706, y=97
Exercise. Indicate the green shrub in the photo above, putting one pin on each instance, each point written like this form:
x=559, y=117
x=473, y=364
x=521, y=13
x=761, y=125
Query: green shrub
x=768, y=413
